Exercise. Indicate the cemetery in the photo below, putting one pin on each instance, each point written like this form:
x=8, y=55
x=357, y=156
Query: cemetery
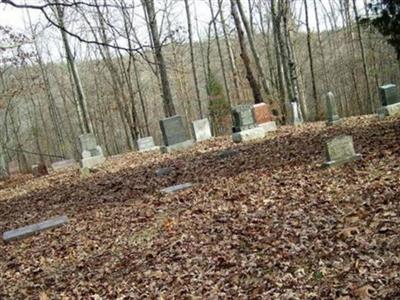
x=250, y=199
x=217, y=149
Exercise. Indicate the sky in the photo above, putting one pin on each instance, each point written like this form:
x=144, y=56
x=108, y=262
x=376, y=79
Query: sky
x=18, y=18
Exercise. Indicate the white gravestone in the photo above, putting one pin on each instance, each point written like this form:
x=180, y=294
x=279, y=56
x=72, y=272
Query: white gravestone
x=92, y=154
x=146, y=144
x=201, y=130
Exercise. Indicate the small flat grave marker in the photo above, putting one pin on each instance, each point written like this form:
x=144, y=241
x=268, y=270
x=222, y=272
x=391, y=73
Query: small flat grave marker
x=26, y=231
x=177, y=188
x=164, y=171
x=340, y=150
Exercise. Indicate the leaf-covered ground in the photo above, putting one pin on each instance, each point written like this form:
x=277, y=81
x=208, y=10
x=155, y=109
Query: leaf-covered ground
x=266, y=223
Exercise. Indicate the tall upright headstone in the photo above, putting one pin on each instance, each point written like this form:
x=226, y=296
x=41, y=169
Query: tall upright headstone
x=13, y=168
x=331, y=109
x=175, y=135
x=92, y=154
x=340, y=150
x=3, y=165
x=201, y=130
x=243, y=118
x=390, y=101
x=297, y=119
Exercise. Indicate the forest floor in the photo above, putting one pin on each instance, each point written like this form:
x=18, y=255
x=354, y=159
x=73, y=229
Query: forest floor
x=267, y=223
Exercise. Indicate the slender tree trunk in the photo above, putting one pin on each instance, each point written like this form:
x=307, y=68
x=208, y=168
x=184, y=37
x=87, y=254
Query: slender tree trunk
x=227, y=90
x=253, y=49
x=192, y=57
x=169, y=108
x=246, y=61
x=82, y=102
x=318, y=107
x=370, y=103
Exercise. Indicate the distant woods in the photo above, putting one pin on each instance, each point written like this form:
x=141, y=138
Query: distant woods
x=115, y=68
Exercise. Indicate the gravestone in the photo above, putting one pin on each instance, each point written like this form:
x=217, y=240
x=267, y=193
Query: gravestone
x=262, y=113
x=331, y=110
x=26, y=231
x=63, y=164
x=39, y=170
x=227, y=153
x=388, y=94
x=146, y=144
x=249, y=135
x=176, y=188
x=174, y=135
x=263, y=117
x=390, y=101
x=243, y=118
x=3, y=166
x=297, y=119
x=201, y=130
x=164, y=171
x=340, y=150
x=92, y=154
x=13, y=168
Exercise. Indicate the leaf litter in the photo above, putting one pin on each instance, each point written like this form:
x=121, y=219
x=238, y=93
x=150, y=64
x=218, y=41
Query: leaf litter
x=265, y=223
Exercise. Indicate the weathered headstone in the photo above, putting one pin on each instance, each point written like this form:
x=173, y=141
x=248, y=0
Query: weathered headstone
x=263, y=117
x=92, y=154
x=297, y=119
x=176, y=188
x=201, y=130
x=63, y=164
x=249, y=134
x=13, y=168
x=164, y=171
x=390, y=101
x=24, y=232
x=146, y=144
x=340, y=150
x=39, y=170
x=262, y=113
x=331, y=109
x=227, y=153
x=174, y=134
x=388, y=94
x=243, y=118
x=3, y=165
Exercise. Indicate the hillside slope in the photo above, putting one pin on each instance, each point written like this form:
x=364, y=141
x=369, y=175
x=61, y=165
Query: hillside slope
x=266, y=223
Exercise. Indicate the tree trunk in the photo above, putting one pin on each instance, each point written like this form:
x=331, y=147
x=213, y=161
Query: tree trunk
x=246, y=61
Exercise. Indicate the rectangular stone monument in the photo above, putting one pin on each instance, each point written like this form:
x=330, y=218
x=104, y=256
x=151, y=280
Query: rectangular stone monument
x=390, y=101
x=243, y=118
x=13, y=168
x=263, y=117
x=201, y=130
x=174, y=134
x=331, y=110
x=388, y=94
x=176, y=188
x=92, y=154
x=340, y=150
x=297, y=119
x=64, y=164
x=3, y=166
x=39, y=170
x=249, y=135
x=26, y=231
x=146, y=144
